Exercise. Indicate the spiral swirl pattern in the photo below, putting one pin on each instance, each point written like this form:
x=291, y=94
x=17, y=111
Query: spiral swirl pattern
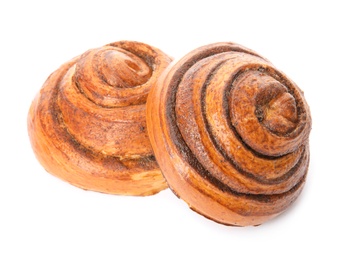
x=230, y=133
x=87, y=125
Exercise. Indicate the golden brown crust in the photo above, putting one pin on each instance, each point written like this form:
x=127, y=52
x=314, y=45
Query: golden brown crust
x=87, y=125
x=230, y=133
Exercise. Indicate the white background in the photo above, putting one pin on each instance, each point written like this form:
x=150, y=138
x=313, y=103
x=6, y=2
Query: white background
x=42, y=217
